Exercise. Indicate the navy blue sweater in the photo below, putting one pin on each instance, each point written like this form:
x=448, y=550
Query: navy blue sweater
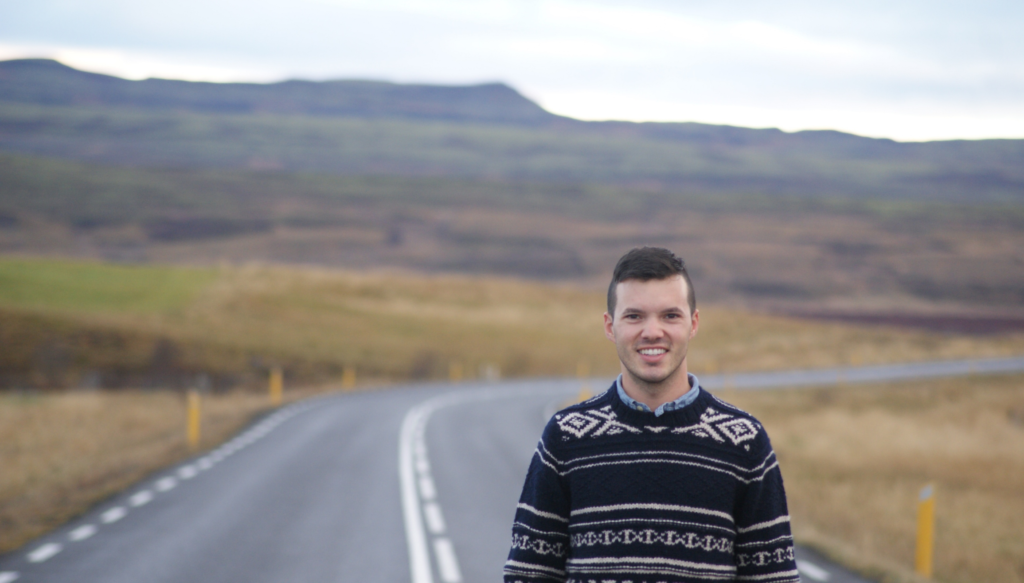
x=615, y=495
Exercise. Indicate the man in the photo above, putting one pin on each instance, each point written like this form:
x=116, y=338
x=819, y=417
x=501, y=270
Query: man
x=656, y=480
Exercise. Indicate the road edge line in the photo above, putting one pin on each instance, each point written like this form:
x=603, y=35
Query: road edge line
x=416, y=538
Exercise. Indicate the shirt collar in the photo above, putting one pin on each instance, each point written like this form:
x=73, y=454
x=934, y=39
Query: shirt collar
x=689, y=397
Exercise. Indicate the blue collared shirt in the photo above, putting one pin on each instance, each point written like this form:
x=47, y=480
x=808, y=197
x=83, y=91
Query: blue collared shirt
x=679, y=403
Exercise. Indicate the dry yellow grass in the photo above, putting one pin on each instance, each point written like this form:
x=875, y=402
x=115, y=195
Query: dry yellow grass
x=233, y=321
x=397, y=326
x=62, y=452
x=855, y=458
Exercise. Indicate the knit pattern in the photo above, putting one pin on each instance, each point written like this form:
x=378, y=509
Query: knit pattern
x=615, y=495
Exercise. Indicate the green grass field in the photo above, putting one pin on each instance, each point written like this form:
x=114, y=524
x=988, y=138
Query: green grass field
x=67, y=286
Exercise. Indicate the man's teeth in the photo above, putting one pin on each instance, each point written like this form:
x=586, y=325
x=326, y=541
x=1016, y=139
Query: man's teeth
x=652, y=351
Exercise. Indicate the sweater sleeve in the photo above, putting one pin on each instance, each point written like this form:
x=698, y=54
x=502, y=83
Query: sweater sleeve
x=764, y=542
x=540, y=533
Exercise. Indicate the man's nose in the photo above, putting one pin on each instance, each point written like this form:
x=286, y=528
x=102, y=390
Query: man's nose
x=652, y=329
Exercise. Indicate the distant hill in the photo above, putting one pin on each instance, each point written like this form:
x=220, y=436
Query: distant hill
x=48, y=82
x=487, y=132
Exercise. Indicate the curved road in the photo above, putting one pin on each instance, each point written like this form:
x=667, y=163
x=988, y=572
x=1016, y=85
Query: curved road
x=412, y=484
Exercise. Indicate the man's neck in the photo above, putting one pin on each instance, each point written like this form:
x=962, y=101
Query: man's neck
x=655, y=395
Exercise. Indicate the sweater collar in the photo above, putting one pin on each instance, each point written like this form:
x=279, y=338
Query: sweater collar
x=683, y=401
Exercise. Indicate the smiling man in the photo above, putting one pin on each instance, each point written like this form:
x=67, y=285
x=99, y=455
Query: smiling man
x=656, y=480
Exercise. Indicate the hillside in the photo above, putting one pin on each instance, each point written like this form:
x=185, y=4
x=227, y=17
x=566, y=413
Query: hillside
x=813, y=222
x=480, y=132
x=739, y=248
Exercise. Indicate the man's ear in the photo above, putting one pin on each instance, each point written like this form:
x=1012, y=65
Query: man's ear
x=608, y=327
x=696, y=323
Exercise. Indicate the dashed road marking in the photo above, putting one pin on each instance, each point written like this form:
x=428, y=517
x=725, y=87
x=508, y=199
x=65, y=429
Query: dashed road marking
x=447, y=564
x=44, y=552
x=113, y=515
x=165, y=484
x=414, y=473
x=141, y=498
x=82, y=532
x=434, y=518
x=812, y=571
x=427, y=490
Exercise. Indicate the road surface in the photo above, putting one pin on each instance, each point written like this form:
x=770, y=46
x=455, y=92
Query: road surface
x=414, y=484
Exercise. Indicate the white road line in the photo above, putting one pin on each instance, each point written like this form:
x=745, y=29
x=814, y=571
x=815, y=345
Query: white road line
x=422, y=465
x=812, y=571
x=419, y=555
x=187, y=472
x=427, y=489
x=141, y=498
x=8, y=576
x=113, y=515
x=205, y=463
x=446, y=562
x=165, y=484
x=82, y=532
x=435, y=521
x=413, y=459
x=44, y=552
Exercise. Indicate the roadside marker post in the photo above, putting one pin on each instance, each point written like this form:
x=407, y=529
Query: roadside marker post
x=455, y=371
x=276, y=386
x=193, y=427
x=583, y=373
x=582, y=369
x=925, y=532
x=348, y=378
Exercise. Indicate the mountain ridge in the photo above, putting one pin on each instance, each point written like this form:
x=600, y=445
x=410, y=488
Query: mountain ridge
x=49, y=82
x=487, y=131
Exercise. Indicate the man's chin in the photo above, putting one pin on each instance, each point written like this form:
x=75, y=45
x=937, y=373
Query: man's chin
x=651, y=378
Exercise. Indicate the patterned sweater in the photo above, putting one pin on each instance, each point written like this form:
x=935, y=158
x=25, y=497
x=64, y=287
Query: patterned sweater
x=615, y=495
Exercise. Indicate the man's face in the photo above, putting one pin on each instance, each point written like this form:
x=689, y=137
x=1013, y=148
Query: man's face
x=652, y=328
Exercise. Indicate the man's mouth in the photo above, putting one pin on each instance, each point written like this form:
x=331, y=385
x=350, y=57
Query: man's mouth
x=653, y=351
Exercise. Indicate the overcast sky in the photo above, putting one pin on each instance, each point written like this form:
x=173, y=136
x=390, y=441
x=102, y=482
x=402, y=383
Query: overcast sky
x=909, y=70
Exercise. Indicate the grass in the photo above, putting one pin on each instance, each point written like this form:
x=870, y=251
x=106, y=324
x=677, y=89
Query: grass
x=89, y=287
x=66, y=323
x=855, y=458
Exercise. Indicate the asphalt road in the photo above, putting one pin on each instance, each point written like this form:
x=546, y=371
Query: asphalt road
x=415, y=484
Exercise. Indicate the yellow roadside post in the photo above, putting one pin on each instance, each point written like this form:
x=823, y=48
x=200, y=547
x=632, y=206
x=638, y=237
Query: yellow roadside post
x=276, y=386
x=582, y=369
x=455, y=371
x=925, y=532
x=348, y=378
x=192, y=425
x=582, y=373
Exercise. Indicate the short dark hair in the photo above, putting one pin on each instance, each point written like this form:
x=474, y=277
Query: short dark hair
x=645, y=264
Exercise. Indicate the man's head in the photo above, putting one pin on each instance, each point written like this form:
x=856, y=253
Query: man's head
x=645, y=264
x=651, y=319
